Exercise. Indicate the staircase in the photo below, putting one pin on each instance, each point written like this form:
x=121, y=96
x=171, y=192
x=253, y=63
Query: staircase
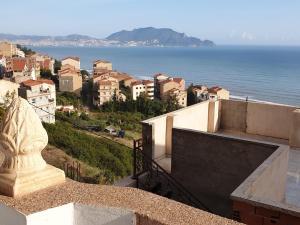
x=150, y=176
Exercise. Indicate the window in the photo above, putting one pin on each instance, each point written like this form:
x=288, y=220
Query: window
x=33, y=100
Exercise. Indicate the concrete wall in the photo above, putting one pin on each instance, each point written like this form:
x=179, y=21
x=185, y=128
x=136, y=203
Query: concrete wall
x=62, y=215
x=69, y=214
x=194, y=117
x=295, y=130
x=9, y=216
x=91, y=215
x=268, y=181
x=213, y=166
x=269, y=120
x=233, y=115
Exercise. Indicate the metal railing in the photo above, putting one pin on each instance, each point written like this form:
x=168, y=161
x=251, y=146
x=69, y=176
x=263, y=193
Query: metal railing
x=143, y=164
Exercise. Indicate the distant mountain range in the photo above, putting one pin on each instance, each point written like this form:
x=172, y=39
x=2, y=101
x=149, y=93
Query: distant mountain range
x=149, y=36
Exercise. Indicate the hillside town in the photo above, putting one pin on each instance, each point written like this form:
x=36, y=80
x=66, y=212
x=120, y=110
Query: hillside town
x=23, y=74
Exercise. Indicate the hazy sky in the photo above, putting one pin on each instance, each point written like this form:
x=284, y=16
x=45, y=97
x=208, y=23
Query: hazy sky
x=223, y=21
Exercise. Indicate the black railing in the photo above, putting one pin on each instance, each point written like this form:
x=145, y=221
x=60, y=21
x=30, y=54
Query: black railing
x=143, y=164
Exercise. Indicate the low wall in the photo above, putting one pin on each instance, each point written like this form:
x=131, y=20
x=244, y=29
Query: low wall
x=295, y=130
x=194, y=117
x=233, y=115
x=268, y=181
x=213, y=166
x=269, y=120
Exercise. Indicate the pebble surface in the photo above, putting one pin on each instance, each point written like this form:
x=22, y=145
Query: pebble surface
x=156, y=209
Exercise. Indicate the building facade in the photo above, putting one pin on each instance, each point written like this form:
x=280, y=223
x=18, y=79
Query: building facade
x=41, y=95
x=70, y=80
x=215, y=93
x=102, y=65
x=142, y=87
x=71, y=61
x=104, y=90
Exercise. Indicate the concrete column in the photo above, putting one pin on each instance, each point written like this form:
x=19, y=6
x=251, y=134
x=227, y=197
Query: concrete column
x=213, y=116
x=295, y=129
x=169, y=127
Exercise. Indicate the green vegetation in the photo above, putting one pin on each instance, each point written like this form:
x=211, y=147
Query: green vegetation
x=113, y=159
x=148, y=108
x=191, y=98
x=68, y=98
x=26, y=50
x=57, y=66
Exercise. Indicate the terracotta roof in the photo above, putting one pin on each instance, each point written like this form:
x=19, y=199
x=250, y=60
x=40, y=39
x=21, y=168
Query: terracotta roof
x=18, y=64
x=214, y=89
x=30, y=83
x=101, y=61
x=72, y=57
x=177, y=79
x=139, y=82
x=68, y=71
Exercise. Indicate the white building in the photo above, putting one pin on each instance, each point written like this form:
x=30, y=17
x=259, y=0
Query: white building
x=142, y=86
x=42, y=95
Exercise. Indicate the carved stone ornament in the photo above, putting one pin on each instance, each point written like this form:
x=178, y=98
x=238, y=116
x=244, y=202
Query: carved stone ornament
x=22, y=140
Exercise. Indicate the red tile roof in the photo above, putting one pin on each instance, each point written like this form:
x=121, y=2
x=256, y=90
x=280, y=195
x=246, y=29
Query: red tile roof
x=139, y=82
x=18, y=64
x=177, y=79
x=30, y=83
x=101, y=61
x=214, y=89
x=72, y=57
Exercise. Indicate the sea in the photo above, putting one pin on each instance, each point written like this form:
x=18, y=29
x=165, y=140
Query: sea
x=262, y=73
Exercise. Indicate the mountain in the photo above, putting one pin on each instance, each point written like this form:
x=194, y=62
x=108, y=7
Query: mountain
x=151, y=36
x=139, y=37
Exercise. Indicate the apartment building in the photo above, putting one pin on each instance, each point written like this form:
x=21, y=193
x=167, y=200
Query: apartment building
x=200, y=92
x=42, y=95
x=104, y=90
x=102, y=65
x=9, y=50
x=20, y=69
x=70, y=80
x=142, y=87
x=179, y=95
x=45, y=62
x=72, y=61
x=166, y=86
x=215, y=93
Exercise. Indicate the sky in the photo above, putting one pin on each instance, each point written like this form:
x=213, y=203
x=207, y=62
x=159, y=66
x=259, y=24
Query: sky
x=238, y=22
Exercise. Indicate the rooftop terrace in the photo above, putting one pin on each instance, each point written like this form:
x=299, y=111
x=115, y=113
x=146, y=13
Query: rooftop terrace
x=248, y=149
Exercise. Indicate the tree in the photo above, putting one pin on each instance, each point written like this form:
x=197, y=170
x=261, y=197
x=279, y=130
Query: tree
x=26, y=50
x=46, y=74
x=57, y=66
x=191, y=98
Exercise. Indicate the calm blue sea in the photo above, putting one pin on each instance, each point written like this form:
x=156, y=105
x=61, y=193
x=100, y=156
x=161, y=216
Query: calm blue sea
x=262, y=73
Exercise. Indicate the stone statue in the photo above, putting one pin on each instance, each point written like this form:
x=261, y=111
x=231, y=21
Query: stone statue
x=22, y=140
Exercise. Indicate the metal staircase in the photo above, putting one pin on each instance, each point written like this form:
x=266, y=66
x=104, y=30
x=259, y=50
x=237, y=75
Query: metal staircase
x=150, y=176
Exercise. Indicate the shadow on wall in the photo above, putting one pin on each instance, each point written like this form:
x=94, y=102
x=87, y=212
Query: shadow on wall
x=213, y=166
